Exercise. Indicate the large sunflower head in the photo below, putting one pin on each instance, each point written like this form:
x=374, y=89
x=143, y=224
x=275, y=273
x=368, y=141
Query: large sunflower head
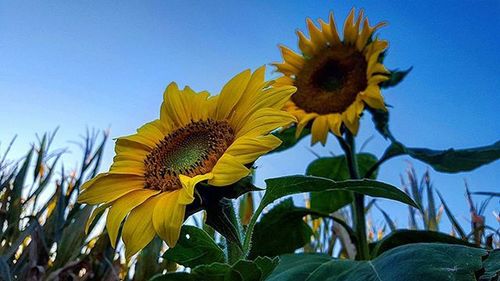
x=197, y=138
x=335, y=78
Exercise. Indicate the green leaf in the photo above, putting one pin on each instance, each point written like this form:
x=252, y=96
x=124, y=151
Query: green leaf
x=288, y=139
x=41, y=153
x=147, y=261
x=73, y=238
x=381, y=120
x=289, y=185
x=335, y=168
x=388, y=220
x=284, y=186
x=288, y=229
x=403, y=236
x=414, y=262
x=395, y=77
x=15, y=207
x=194, y=247
x=450, y=160
x=242, y=270
x=492, y=194
x=266, y=265
x=491, y=267
x=452, y=218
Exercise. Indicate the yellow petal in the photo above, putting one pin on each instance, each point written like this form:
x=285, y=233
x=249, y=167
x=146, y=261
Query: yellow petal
x=228, y=171
x=110, y=187
x=140, y=140
x=373, y=97
x=292, y=57
x=376, y=68
x=231, y=94
x=168, y=216
x=319, y=130
x=363, y=36
x=186, y=194
x=349, y=32
x=377, y=79
x=200, y=105
x=123, y=146
x=153, y=130
x=122, y=207
x=274, y=97
x=351, y=116
x=127, y=167
x=138, y=228
x=286, y=68
x=357, y=24
x=283, y=81
x=264, y=121
x=334, y=122
x=248, y=149
x=374, y=49
x=303, y=122
x=174, y=109
x=305, y=45
x=94, y=214
x=131, y=155
x=335, y=39
x=90, y=182
x=317, y=37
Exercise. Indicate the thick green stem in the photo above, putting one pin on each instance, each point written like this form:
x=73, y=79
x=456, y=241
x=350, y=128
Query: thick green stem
x=358, y=206
x=234, y=251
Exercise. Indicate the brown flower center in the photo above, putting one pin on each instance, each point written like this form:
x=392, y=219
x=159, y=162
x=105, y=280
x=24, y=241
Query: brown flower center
x=191, y=150
x=330, y=82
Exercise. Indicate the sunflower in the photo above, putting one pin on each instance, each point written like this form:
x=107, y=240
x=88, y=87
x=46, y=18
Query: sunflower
x=335, y=78
x=197, y=138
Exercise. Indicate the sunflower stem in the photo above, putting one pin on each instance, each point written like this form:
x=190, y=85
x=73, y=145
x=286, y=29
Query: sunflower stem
x=358, y=206
x=234, y=250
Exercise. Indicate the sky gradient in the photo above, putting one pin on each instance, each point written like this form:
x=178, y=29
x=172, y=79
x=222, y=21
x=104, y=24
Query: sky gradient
x=99, y=65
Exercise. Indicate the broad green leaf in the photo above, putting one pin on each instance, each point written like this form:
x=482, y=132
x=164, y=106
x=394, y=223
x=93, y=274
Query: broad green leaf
x=266, y=265
x=195, y=247
x=284, y=186
x=289, y=185
x=403, y=236
x=491, y=267
x=335, y=168
x=242, y=270
x=413, y=262
x=287, y=136
x=147, y=261
x=450, y=160
x=395, y=77
x=288, y=229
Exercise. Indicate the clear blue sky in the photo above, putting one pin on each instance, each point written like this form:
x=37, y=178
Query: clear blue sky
x=98, y=64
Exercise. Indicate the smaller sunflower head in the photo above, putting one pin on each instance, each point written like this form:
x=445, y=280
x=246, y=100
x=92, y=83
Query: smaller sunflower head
x=335, y=78
x=197, y=138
